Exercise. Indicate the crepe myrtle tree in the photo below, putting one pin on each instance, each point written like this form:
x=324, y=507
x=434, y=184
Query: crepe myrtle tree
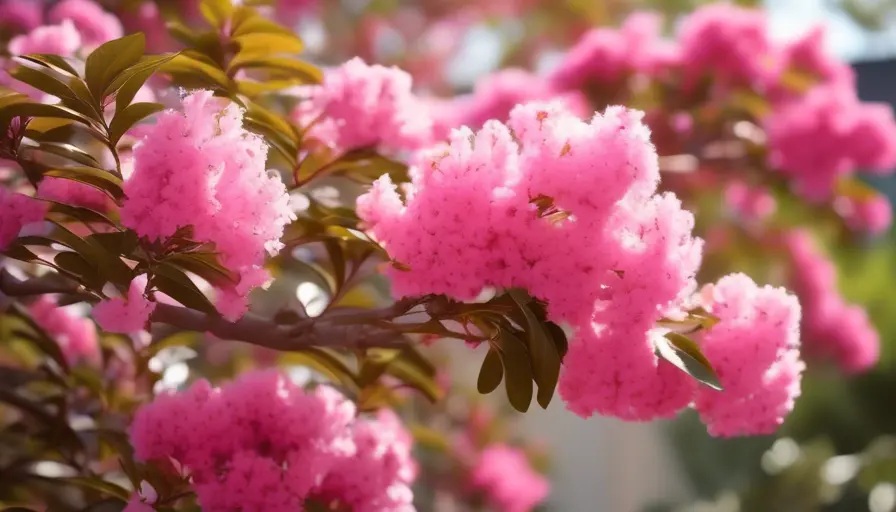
x=134, y=232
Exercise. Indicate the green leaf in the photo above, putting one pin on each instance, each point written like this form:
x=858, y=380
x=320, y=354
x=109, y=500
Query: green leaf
x=40, y=110
x=542, y=351
x=683, y=353
x=39, y=337
x=78, y=213
x=323, y=361
x=263, y=44
x=108, y=61
x=216, y=12
x=126, y=85
x=247, y=21
x=491, y=373
x=293, y=68
x=190, y=66
x=204, y=265
x=107, y=505
x=68, y=151
x=416, y=377
x=70, y=89
x=97, y=178
x=109, y=265
x=50, y=60
x=77, y=265
x=173, y=282
x=517, y=370
x=131, y=115
x=337, y=259
x=98, y=484
x=43, y=82
x=119, y=242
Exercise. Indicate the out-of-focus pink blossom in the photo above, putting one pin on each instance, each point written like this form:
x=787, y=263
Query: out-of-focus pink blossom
x=503, y=474
x=75, y=335
x=872, y=215
x=362, y=106
x=128, y=315
x=831, y=327
x=495, y=95
x=95, y=25
x=20, y=15
x=378, y=475
x=603, y=56
x=146, y=18
x=749, y=203
x=727, y=43
x=827, y=134
x=17, y=211
x=263, y=443
x=62, y=39
x=808, y=58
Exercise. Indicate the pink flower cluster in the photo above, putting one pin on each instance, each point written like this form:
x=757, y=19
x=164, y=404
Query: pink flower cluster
x=126, y=315
x=360, y=106
x=568, y=210
x=261, y=443
x=17, y=211
x=473, y=219
x=201, y=168
x=377, y=477
x=830, y=326
x=504, y=475
x=754, y=349
x=75, y=335
x=604, y=56
x=826, y=134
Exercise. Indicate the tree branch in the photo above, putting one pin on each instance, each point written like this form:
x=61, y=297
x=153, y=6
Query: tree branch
x=312, y=332
x=349, y=328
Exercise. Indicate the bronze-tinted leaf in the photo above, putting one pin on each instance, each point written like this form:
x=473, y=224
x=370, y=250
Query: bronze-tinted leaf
x=542, y=352
x=491, y=373
x=109, y=60
x=683, y=353
x=131, y=115
x=558, y=335
x=517, y=370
